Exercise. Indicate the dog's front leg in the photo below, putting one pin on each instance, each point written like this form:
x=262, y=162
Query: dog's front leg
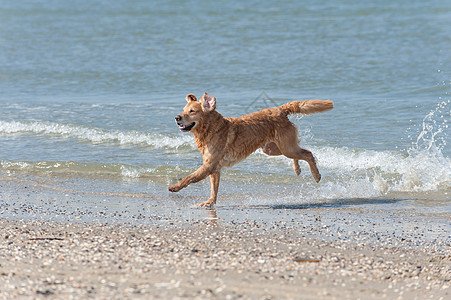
x=198, y=175
x=214, y=182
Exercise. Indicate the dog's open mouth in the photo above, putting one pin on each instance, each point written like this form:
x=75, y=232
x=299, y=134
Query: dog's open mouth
x=186, y=127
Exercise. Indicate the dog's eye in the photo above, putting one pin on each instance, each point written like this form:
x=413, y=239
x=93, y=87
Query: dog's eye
x=191, y=111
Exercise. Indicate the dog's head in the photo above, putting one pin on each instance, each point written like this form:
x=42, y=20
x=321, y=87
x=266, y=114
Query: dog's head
x=195, y=111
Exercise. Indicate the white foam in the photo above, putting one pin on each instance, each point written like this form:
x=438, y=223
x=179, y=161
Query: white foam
x=357, y=188
x=134, y=172
x=351, y=160
x=95, y=135
x=424, y=171
x=6, y=164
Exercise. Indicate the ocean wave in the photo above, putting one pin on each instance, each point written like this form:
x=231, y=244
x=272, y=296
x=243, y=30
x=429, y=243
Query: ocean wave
x=379, y=173
x=95, y=135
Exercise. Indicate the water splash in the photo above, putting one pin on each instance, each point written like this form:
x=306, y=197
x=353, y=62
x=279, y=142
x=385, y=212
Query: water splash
x=353, y=173
x=426, y=168
x=434, y=129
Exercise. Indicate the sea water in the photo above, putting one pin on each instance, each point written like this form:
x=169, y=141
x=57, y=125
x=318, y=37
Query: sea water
x=89, y=91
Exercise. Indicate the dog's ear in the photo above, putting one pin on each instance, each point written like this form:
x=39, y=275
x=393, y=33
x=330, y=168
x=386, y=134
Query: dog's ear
x=190, y=97
x=208, y=102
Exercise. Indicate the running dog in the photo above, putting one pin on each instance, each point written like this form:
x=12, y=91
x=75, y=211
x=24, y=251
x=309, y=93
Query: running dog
x=225, y=142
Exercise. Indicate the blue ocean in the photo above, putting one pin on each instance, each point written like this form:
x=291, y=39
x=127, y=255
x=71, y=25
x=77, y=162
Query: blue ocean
x=90, y=89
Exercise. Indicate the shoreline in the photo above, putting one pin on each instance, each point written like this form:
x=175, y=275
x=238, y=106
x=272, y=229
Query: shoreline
x=208, y=260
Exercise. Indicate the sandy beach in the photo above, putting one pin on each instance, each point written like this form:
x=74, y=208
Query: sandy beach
x=58, y=243
x=210, y=259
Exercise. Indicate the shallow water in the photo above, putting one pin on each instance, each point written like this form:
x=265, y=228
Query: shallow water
x=89, y=93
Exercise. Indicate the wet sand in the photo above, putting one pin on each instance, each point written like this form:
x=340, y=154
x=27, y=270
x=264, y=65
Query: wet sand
x=57, y=244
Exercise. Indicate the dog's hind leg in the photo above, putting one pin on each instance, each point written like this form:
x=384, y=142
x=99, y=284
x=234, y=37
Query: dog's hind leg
x=214, y=182
x=289, y=147
x=302, y=154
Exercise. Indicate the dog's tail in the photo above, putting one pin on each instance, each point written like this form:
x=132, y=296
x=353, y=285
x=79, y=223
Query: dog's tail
x=307, y=107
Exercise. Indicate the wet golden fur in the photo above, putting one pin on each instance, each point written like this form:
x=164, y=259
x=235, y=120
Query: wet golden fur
x=224, y=142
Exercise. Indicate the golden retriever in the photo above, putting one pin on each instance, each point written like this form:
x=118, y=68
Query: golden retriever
x=225, y=142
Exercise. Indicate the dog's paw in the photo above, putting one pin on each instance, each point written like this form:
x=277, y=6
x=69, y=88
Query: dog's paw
x=297, y=170
x=209, y=203
x=317, y=177
x=174, y=188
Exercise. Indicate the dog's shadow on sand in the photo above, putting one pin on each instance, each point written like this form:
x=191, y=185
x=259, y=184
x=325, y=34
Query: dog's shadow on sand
x=212, y=212
x=337, y=203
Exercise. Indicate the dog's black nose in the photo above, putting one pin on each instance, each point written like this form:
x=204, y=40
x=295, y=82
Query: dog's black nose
x=178, y=118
